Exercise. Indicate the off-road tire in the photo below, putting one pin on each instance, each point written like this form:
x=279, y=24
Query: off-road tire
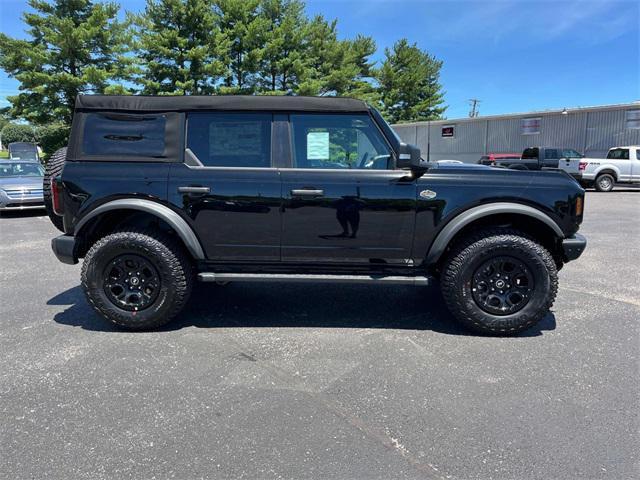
x=470, y=253
x=53, y=169
x=172, y=263
x=605, y=182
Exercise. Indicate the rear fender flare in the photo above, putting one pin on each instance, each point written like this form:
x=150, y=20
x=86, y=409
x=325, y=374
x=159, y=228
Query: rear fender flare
x=175, y=221
x=463, y=219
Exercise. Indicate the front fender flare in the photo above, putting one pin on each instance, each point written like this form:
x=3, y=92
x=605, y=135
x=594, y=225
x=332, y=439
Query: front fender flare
x=465, y=218
x=175, y=221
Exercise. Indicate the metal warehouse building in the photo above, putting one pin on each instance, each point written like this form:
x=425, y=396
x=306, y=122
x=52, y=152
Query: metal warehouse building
x=589, y=130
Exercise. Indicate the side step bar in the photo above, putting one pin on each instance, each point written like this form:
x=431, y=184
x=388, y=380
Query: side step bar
x=313, y=278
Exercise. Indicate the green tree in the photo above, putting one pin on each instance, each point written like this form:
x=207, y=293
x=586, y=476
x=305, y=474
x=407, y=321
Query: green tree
x=17, y=132
x=282, y=54
x=340, y=67
x=243, y=28
x=75, y=46
x=409, y=84
x=180, y=47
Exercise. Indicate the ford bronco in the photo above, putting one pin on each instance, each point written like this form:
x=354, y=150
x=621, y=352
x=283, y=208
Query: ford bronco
x=155, y=193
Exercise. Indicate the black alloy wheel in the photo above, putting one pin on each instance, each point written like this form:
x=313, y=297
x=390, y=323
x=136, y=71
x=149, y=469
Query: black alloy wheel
x=131, y=282
x=502, y=285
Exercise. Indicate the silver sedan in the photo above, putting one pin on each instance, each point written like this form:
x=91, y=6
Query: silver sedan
x=20, y=185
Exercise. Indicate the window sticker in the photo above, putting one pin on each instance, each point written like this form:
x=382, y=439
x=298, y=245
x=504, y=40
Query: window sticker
x=318, y=146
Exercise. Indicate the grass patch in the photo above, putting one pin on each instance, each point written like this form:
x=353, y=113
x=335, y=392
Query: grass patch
x=4, y=154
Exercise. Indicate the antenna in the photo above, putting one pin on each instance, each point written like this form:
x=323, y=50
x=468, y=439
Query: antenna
x=474, y=107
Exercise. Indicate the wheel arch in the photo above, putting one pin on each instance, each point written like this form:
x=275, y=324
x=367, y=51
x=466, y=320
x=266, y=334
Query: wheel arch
x=119, y=211
x=531, y=220
x=608, y=169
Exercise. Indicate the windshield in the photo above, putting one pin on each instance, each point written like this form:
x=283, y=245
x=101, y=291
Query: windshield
x=20, y=170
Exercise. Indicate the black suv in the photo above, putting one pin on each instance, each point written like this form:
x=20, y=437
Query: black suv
x=156, y=192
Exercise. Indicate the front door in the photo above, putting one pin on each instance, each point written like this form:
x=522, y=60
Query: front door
x=229, y=187
x=343, y=201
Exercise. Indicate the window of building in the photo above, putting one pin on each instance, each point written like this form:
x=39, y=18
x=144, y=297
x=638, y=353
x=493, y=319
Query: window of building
x=633, y=118
x=230, y=139
x=124, y=134
x=530, y=126
x=338, y=141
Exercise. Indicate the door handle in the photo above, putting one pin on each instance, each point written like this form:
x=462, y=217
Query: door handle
x=194, y=190
x=307, y=192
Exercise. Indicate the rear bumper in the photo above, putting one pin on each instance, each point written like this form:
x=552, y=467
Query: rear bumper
x=64, y=248
x=573, y=246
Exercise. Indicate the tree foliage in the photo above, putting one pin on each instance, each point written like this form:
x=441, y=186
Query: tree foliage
x=187, y=47
x=409, y=84
x=75, y=46
x=17, y=132
x=180, y=47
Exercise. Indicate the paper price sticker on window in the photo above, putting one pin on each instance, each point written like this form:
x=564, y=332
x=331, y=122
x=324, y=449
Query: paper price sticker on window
x=318, y=146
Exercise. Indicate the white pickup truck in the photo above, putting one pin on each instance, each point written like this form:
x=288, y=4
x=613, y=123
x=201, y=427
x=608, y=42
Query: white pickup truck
x=622, y=165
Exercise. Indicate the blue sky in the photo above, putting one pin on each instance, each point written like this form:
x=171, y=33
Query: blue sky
x=514, y=56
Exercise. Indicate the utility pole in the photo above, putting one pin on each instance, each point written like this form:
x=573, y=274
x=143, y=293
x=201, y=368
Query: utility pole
x=474, y=107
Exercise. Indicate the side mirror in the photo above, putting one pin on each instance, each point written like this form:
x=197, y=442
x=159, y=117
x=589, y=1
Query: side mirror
x=409, y=157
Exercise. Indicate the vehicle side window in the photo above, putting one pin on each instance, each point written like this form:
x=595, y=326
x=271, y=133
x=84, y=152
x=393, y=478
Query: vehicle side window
x=338, y=141
x=530, y=153
x=551, y=153
x=230, y=139
x=638, y=154
x=570, y=153
x=123, y=134
x=618, y=154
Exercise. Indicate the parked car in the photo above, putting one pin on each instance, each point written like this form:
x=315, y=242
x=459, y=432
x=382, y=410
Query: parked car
x=156, y=192
x=23, y=151
x=622, y=165
x=499, y=159
x=20, y=185
x=538, y=158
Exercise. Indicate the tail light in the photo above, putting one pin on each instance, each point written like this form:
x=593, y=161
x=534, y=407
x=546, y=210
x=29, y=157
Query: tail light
x=579, y=206
x=582, y=166
x=56, y=196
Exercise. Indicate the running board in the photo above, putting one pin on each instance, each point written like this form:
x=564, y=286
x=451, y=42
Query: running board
x=313, y=278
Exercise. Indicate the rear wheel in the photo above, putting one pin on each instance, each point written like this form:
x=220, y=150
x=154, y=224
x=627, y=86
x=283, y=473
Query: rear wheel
x=499, y=282
x=605, y=182
x=53, y=169
x=137, y=280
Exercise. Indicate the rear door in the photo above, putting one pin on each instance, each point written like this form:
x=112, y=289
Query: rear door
x=229, y=185
x=343, y=200
x=635, y=165
x=620, y=158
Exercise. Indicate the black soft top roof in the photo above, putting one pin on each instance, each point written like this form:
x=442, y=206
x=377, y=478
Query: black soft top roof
x=137, y=103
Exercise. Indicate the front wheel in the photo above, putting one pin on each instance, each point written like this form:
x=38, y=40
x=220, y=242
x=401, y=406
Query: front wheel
x=604, y=182
x=137, y=280
x=499, y=282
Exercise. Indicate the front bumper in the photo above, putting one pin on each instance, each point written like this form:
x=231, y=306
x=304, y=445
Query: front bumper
x=573, y=246
x=64, y=248
x=21, y=200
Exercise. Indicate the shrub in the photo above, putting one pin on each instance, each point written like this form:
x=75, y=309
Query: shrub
x=52, y=137
x=16, y=132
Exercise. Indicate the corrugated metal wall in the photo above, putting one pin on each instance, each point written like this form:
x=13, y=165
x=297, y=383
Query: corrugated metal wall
x=589, y=131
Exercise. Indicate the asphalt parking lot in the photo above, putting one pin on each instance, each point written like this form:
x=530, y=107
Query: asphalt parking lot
x=299, y=381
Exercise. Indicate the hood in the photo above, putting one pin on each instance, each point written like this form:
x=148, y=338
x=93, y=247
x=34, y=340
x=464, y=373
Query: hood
x=31, y=183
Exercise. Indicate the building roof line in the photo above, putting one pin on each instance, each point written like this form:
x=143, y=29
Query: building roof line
x=613, y=106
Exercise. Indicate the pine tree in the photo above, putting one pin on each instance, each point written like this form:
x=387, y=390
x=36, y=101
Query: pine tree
x=409, y=84
x=75, y=46
x=334, y=66
x=243, y=28
x=180, y=47
x=282, y=54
